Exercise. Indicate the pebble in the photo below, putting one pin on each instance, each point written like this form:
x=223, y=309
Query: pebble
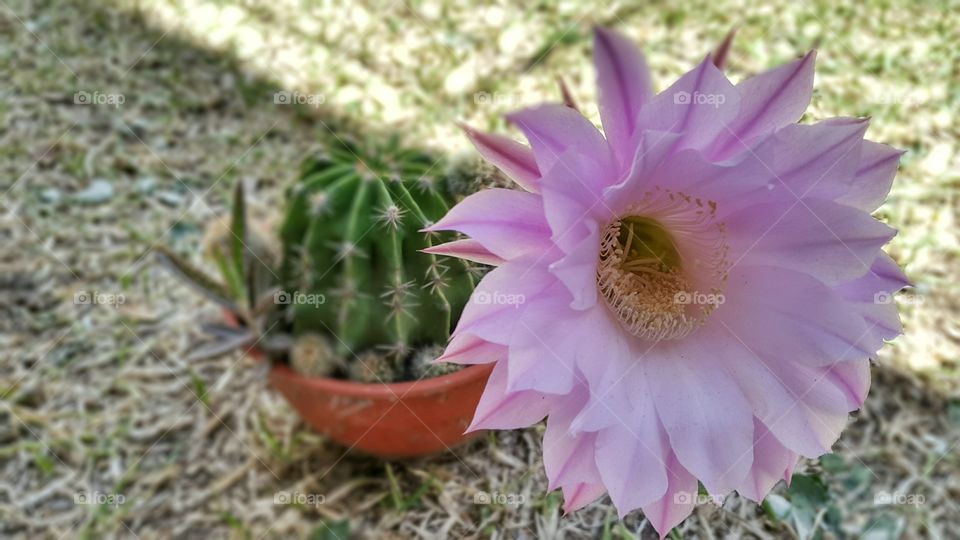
x=99, y=191
x=50, y=195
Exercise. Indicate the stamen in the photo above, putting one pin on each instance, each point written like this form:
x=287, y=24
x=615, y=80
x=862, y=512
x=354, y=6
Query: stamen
x=643, y=274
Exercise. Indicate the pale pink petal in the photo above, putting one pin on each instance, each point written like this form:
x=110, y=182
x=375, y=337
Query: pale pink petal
x=770, y=100
x=698, y=106
x=728, y=186
x=577, y=496
x=652, y=150
x=797, y=403
x=798, y=161
x=623, y=87
x=468, y=249
x=827, y=240
x=544, y=348
x=553, y=129
x=511, y=157
x=498, y=300
x=613, y=375
x=632, y=455
x=501, y=410
x=874, y=176
x=550, y=345
x=853, y=379
x=873, y=295
x=507, y=223
x=572, y=196
x=763, y=304
x=578, y=270
x=677, y=503
x=709, y=421
x=467, y=348
x=770, y=460
x=568, y=458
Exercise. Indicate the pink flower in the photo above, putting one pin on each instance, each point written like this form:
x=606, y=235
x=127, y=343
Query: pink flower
x=692, y=295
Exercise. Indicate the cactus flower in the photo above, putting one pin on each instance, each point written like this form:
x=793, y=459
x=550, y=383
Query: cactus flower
x=689, y=296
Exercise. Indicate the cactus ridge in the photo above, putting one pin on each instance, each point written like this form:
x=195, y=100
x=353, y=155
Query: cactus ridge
x=352, y=234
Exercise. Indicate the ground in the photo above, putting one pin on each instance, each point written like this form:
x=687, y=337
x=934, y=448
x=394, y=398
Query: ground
x=126, y=123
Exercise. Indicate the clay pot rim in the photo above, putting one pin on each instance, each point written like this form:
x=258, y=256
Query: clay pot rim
x=380, y=391
x=385, y=391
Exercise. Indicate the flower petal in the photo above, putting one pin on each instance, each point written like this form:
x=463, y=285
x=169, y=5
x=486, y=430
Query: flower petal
x=498, y=300
x=853, y=379
x=578, y=270
x=632, y=454
x=551, y=344
x=544, y=348
x=468, y=249
x=467, y=348
x=507, y=223
x=652, y=149
x=623, y=87
x=827, y=240
x=709, y=421
x=579, y=495
x=797, y=403
x=817, y=160
x=874, y=177
x=554, y=128
x=698, y=106
x=762, y=305
x=873, y=296
x=571, y=197
x=677, y=503
x=770, y=460
x=499, y=409
x=511, y=157
x=568, y=458
x=769, y=101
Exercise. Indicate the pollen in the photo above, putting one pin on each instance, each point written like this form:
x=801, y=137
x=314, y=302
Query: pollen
x=662, y=265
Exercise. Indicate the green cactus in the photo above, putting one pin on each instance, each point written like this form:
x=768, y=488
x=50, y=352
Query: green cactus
x=352, y=233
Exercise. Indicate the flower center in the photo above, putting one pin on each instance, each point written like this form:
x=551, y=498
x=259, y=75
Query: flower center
x=662, y=264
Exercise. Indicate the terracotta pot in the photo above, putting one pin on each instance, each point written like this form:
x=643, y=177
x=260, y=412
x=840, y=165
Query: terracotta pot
x=403, y=419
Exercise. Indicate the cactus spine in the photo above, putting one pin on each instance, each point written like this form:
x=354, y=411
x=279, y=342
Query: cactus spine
x=352, y=238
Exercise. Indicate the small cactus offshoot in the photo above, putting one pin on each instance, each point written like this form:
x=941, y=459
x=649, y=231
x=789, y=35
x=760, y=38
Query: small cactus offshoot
x=245, y=286
x=313, y=356
x=352, y=236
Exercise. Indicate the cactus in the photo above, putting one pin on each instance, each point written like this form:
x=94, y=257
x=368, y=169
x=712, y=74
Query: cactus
x=351, y=245
x=312, y=355
x=352, y=236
